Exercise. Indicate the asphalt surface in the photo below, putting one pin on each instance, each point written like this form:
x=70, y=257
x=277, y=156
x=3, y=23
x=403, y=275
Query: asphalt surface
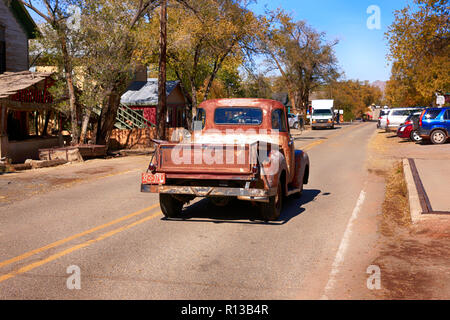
x=126, y=250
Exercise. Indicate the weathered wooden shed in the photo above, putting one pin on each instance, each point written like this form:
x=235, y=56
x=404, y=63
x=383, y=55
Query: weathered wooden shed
x=142, y=96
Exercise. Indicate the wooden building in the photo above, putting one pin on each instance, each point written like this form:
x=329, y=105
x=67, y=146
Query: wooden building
x=16, y=28
x=23, y=94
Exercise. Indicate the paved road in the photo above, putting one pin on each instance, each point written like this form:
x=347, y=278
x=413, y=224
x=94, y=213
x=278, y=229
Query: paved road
x=125, y=249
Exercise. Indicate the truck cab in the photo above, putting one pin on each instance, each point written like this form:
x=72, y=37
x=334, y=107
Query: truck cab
x=240, y=148
x=322, y=114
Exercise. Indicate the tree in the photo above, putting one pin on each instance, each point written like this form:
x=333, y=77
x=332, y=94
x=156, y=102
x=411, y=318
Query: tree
x=110, y=42
x=300, y=53
x=419, y=46
x=56, y=18
x=105, y=41
x=354, y=97
x=196, y=51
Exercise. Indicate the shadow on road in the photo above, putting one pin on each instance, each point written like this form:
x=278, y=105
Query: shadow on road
x=240, y=211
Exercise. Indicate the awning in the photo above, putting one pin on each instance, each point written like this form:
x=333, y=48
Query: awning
x=13, y=82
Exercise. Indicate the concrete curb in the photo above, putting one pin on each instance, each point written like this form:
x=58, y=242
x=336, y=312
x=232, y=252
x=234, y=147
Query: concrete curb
x=415, y=208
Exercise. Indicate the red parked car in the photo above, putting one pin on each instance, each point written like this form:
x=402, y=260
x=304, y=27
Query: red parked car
x=406, y=130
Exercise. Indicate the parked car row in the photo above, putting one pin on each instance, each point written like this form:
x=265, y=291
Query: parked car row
x=391, y=119
x=429, y=125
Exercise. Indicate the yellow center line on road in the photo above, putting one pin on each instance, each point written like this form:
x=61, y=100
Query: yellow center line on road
x=316, y=143
x=78, y=235
x=75, y=248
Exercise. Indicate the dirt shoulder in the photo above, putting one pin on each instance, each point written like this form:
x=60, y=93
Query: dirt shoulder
x=24, y=184
x=413, y=258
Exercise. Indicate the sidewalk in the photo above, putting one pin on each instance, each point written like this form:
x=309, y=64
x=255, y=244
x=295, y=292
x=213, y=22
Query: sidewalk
x=428, y=182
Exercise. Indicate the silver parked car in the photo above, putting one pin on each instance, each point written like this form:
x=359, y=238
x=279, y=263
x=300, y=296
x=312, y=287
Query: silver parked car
x=294, y=121
x=396, y=117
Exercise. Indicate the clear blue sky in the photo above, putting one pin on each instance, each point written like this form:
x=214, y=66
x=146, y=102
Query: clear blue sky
x=361, y=52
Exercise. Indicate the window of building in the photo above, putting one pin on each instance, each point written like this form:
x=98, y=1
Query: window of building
x=2, y=50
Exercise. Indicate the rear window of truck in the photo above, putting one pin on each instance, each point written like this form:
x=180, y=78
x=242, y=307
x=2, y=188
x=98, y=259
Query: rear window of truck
x=246, y=116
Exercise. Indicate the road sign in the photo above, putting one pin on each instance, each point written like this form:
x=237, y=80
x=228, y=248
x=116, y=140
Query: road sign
x=440, y=100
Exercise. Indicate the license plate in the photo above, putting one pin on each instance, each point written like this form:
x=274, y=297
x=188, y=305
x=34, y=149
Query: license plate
x=150, y=178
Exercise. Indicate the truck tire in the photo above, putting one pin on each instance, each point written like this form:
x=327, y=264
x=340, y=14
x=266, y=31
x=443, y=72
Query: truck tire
x=170, y=207
x=438, y=137
x=271, y=211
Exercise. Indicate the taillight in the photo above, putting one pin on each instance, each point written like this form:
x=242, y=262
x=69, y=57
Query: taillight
x=152, y=168
x=408, y=122
x=421, y=118
x=388, y=122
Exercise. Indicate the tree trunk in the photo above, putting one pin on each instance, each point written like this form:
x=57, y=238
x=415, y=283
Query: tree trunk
x=72, y=98
x=292, y=100
x=36, y=123
x=84, y=125
x=47, y=119
x=108, y=117
x=162, y=97
x=194, y=99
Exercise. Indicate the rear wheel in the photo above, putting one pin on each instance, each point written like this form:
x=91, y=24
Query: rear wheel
x=414, y=136
x=271, y=211
x=296, y=126
x=438, y=137
x=170, y=206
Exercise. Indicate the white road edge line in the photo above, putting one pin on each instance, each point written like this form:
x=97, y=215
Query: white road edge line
x=339, y=259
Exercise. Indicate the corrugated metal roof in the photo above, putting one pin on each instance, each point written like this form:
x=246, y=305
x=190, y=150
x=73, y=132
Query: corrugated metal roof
x=145, y=93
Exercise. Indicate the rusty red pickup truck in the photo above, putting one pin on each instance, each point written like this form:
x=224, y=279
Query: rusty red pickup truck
x=239, y=148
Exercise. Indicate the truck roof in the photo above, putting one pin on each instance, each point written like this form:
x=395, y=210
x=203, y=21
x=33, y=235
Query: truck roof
x=322, y=104
x=265, y=104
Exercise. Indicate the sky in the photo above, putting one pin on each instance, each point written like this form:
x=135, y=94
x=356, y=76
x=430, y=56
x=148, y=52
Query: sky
x=361, y=52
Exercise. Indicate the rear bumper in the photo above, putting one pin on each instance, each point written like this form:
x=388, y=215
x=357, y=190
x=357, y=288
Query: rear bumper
x=241, y=193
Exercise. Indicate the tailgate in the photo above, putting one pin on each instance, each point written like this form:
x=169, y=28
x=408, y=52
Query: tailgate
x=207, y=158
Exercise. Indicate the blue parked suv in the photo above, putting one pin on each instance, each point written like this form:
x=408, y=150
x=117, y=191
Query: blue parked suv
x=434, y=125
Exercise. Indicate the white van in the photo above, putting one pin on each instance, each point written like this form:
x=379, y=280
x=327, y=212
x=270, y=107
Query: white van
x=322, y=114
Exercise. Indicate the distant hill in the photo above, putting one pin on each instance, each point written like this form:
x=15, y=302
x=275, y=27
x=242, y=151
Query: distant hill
x=380, y=84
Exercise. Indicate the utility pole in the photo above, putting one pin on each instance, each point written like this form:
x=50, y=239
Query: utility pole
x=162, y=97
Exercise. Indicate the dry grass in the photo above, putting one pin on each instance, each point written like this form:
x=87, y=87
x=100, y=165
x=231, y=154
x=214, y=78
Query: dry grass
x=396, y=206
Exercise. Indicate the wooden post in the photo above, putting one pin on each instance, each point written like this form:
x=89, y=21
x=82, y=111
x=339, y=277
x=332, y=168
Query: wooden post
x=3, y=131
x=162, y=97
x=3, y=120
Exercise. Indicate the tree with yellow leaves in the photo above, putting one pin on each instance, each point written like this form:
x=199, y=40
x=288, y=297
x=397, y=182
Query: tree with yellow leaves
x=419, y=42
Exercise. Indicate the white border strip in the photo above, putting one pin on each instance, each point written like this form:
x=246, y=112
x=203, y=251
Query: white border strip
x=339, y=259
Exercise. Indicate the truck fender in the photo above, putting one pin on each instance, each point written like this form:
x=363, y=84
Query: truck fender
x=273, y=168
x=301, y=169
